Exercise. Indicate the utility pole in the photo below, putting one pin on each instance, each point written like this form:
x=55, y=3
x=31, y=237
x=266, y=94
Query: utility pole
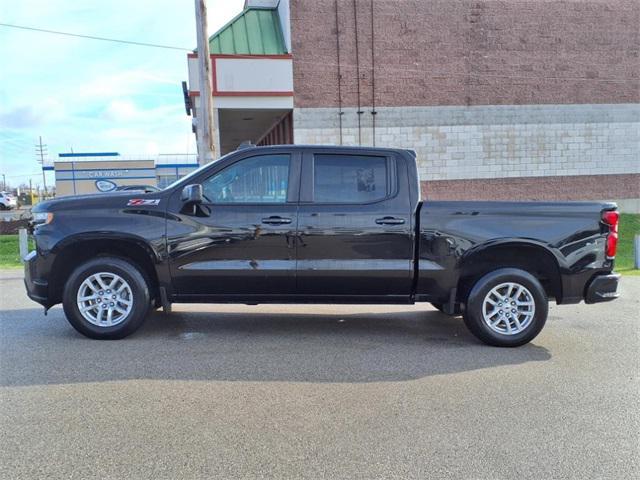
x=204, y=120
x=4, y=182
x=41, y=151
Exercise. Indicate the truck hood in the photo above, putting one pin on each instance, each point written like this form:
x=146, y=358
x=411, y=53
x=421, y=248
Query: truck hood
x=96, y=200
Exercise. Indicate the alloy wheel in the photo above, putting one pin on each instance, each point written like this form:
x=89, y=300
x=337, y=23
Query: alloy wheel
x=105, y=299
x=508, y=308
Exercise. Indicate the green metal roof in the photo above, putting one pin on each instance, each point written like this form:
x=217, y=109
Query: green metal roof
x=255, y=31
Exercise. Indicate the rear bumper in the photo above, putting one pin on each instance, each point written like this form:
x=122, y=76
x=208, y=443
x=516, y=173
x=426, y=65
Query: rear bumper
x=37, y=288
x=602, y=288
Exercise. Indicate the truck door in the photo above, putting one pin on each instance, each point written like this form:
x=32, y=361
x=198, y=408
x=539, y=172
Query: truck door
x=355, y=226
x=242, y=241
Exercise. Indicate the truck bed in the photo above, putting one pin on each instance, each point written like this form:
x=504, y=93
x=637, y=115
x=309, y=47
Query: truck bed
x=454, y=236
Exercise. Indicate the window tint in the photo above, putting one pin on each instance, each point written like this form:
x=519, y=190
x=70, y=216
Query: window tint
x=349, y=178
x=261, y=179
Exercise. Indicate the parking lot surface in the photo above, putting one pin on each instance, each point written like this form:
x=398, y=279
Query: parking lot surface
x=357, y=392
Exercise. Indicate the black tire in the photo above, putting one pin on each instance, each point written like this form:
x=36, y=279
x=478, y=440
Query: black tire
x=140, y=297
x=456, y=312
x=474, y=316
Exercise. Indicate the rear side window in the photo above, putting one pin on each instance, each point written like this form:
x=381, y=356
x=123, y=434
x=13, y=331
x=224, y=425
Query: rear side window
x=350, y=178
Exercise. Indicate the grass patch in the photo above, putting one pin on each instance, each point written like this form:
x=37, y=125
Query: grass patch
x=628, y=228
x=10, y=252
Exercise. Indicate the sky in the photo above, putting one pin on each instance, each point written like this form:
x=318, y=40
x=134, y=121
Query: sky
x=90, y=95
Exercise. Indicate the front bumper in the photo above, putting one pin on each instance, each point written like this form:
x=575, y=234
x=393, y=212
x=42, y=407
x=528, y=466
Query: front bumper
x=37, y=289
x=602, y=288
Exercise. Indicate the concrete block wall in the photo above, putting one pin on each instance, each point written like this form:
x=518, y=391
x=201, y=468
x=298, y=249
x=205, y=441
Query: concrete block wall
x=600, y=143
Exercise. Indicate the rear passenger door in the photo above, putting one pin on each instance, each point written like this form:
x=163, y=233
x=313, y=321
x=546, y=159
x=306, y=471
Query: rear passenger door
x=354, y=226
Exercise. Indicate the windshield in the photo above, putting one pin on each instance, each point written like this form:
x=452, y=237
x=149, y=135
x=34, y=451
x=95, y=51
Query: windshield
x=193, y=174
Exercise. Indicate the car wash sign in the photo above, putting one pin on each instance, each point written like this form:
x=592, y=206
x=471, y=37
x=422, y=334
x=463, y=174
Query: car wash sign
x=105, y=185
x=105, y=173
x=82, y=173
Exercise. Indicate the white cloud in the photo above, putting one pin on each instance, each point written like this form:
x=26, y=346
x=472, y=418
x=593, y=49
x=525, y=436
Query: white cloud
x=20, y=117
x=122, y=110
x=121, y=84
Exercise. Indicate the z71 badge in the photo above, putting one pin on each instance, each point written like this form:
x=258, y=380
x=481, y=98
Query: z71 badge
x=139, y=202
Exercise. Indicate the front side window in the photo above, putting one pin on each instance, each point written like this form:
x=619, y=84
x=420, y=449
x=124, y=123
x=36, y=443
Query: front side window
x=260, y=179
x=349, y=178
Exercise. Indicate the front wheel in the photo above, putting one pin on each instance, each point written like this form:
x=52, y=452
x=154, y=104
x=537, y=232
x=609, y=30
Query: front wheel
x=506, y=308
x=106, y=298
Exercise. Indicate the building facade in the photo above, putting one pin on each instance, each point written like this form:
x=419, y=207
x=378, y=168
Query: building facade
x=252, y=85
x=522, y=100
x=101, y=172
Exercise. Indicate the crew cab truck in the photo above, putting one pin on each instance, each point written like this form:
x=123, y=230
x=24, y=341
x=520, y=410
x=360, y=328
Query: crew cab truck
x=318, y=224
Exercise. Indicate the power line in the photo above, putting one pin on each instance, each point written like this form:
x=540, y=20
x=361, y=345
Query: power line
x=390, y=68
x=5, y=142
x=25, y=175
x=92, y=37
x=13, y=150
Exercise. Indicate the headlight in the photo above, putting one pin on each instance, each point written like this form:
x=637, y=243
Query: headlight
x=42, y=218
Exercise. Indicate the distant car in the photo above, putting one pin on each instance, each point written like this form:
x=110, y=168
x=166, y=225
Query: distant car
x=138, y=188
x=7, y=201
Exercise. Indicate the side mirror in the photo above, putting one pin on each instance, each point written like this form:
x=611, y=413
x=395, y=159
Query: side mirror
x=192, y=194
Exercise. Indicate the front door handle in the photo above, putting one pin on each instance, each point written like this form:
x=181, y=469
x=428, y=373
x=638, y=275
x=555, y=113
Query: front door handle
x=275, y=220
x=390, y=221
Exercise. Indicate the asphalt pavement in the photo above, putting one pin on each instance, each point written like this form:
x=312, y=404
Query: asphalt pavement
x=352, y=392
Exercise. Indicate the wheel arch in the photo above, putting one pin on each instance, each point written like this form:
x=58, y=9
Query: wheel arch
x=78, y=249
x=531, y=257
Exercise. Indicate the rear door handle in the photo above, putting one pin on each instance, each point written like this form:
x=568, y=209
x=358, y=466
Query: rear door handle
x=390, y=221
x=276, y=220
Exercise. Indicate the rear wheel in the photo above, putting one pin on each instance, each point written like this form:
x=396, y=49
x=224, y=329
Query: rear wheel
x=106, y=298
x=506, y=308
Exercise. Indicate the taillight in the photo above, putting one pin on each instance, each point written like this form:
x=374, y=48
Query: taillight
x=610, y=218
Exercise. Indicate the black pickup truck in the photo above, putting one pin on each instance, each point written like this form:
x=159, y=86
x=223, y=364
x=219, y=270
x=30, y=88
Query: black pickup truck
x=316, y=224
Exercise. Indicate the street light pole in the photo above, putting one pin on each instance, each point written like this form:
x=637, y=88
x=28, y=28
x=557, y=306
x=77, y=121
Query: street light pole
x=204, y=120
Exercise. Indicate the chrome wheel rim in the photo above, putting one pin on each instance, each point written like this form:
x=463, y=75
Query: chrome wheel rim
x=508, y=308
x=105, y=299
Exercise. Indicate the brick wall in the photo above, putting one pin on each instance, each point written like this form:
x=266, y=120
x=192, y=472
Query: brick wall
x=481, y=52
x=579, y=187
x=500, y=99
